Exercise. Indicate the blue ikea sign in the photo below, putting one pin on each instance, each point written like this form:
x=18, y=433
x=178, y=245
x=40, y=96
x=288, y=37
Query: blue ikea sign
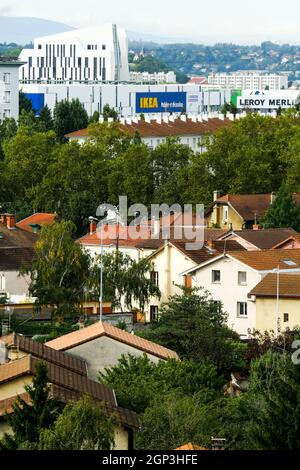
x=169, y=102
x=37, y=100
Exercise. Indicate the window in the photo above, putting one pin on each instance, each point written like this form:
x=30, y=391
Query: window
x=40, y=46
x=242, y=278
x=286, y=317
x=103, y=47
x=225, y=214
x=154, y=277
x=216, y=277
x=242, y=309
x=6, y=78
x=153, y=313
x=89, y=47
x=2, y=282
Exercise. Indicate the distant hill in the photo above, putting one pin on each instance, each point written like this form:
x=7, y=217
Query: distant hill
x=23, y=30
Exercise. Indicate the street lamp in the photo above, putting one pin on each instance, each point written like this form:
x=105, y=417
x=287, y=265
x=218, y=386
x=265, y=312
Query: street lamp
x=93, y=219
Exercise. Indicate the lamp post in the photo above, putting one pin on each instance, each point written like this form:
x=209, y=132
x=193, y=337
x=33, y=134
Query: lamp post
x=93, y=219
x=277, y=303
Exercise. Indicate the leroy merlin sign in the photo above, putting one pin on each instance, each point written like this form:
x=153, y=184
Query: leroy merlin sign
x=268, y=99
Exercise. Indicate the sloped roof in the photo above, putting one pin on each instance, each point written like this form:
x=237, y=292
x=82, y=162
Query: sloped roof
x=249, y=206
x=113, y=234
x=41, y=351
x=66, y=385
x=207, y=252
x=269, y=259
x=12, y=259
x=16, y=238
x=170, y=129
x=267, y=238
x=191, y=446
x=292, y=238
x=289, y=286
x=100, y=329
x=40, y=218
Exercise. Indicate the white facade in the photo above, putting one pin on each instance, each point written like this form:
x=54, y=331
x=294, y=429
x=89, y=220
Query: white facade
x=249, y=80
x=157, y=77
x=235, y=281
x=99, y=54
x=122, y=97
x=9, y=88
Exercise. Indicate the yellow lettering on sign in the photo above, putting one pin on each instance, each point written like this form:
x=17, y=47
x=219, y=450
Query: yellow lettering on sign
x=147, y=103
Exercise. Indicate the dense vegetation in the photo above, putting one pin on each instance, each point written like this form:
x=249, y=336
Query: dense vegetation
x=200, y=59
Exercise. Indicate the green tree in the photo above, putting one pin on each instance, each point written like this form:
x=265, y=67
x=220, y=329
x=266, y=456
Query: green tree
x=69, y=116
x=109, y=112
x=60, y=271
x=8, y=128
x=81, y=426
x=28, y=419
x=126, y=281
x=284, y=212
x=194, y=326
x=274, y=410
x=24, y=103
x=138, y=382
x=46, y=118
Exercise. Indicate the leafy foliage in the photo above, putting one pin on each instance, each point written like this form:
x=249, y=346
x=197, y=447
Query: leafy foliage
x=284, y=212
x=69, y=116
x=28, y=420
x=81, y=426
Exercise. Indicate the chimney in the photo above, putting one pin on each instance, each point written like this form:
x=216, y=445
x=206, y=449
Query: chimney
x=155, y=227
x=10, y=221
x=93, y=227
x=273, y=197
x=217, y=194
x=255, y=227
x=3, y=219
x=210, y=244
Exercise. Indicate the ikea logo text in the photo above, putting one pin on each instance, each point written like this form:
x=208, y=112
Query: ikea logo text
x=149, y=103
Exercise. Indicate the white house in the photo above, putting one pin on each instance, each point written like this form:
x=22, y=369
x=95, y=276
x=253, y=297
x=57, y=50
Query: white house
x=230, y=277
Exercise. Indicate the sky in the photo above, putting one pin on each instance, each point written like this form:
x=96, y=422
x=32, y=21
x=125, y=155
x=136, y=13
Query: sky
x=206, y=21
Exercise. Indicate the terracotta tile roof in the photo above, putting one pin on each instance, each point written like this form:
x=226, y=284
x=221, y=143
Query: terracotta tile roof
x=266, y=260
x=289, y=286
x=15, y=369
x=6, y=406
x=191, y=446
x=127, y=417
x=128, y=236
x=45, y=353
x=39, y=218
x=170, y=129
x=106, y=329
x=292, y=238
x=207, y=252
x=249, y=205
x=12, y=259
x=267, y=238
x=16, y=238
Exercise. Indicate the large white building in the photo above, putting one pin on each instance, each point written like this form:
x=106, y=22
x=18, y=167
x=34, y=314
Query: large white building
x=156, y=77
x=9, y=87
x=249, y=80
x=92, y=54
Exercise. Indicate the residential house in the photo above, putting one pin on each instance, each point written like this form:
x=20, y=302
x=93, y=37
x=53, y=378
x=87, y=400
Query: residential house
x=289, y=243
x=175, y=256
x=232, y=275
x=101, y=345
x=68, y=380
x=239, y=211
x=277, y=302
x=190, y=132
x=265, y=239
x=34, y=222
x=16, y=251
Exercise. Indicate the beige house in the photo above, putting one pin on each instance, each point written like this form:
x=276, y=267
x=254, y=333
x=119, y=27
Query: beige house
x=68, y=380
x=272, y=314
x=239, y=211
x=173, y=257
x=101, y=345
